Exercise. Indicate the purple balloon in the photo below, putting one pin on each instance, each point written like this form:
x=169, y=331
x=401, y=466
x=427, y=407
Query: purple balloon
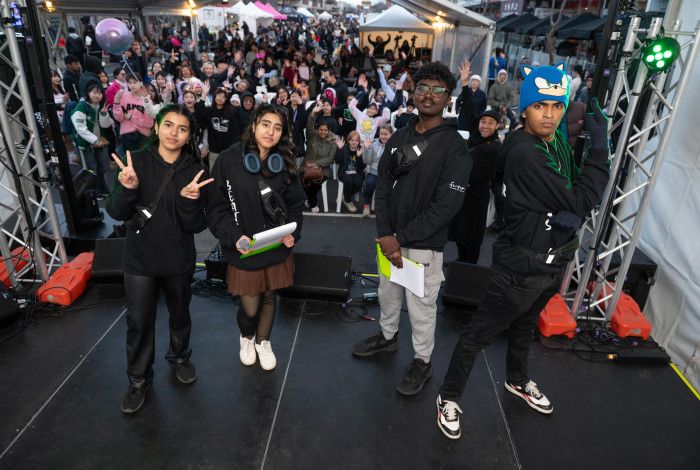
x=113, y=36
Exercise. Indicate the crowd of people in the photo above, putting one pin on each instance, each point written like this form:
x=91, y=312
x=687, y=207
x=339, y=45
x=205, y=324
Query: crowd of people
x=242, y=137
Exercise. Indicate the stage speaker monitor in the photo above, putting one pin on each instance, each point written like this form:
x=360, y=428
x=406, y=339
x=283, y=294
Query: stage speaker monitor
x=641, y=276
x=465, y=284
x=109, y=258
x=321, y=277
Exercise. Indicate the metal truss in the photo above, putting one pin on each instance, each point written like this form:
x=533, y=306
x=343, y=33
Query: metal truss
x=30, y=219
x=615, y=227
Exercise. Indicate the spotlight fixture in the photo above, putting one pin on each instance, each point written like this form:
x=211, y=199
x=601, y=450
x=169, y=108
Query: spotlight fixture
x=658, y=55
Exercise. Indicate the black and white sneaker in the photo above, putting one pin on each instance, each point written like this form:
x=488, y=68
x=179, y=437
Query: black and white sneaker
x=448, y=418
x=532, y=395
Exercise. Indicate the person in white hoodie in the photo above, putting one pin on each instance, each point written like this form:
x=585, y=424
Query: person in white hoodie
x=369, y=120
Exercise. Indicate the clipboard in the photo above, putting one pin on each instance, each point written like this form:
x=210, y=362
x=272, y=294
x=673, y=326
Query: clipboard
x=411, y=276
x=269, y=239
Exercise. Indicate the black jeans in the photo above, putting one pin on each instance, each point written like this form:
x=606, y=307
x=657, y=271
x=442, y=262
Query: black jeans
x=511, y=304
x=312, y=193
x=132, y=141
x=351, y=185
x=142, y=303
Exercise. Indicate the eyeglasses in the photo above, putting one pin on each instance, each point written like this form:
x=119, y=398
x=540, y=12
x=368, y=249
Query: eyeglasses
x=435, y=90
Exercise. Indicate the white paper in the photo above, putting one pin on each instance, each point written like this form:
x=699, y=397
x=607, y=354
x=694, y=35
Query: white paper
x=272, y=236
x=411, y=276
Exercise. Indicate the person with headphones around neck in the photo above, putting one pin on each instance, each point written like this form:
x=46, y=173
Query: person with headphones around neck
x=256, y=189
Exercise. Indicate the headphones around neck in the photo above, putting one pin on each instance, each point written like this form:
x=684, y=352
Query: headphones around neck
x=253, y=164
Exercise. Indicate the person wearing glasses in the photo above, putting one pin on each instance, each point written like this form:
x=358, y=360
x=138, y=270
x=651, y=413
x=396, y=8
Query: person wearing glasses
x=422, y=178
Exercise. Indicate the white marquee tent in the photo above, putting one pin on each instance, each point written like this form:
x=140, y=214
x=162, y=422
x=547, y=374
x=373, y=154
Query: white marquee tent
x=304, y=12
x=251, y=14
x=394, y=20
x=459, y=33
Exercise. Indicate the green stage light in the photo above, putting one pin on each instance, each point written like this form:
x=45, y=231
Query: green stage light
x=661, y=53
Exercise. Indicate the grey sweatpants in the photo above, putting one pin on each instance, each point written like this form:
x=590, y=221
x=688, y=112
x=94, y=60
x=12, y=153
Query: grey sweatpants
x=422, y=312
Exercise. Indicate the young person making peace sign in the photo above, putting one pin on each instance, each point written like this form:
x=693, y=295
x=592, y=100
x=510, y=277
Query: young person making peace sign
x=160, y=196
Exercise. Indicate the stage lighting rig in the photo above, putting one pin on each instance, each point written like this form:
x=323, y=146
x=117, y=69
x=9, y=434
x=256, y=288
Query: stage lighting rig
x=659, y=54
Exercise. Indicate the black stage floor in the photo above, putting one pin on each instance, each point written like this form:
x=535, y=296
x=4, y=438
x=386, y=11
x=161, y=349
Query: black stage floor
x=63, y=379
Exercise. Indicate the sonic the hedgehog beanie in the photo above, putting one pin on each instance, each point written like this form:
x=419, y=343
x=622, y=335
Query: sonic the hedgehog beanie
x=546, y=82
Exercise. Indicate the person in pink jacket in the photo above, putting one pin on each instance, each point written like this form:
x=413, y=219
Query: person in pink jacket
x=130, y=112
x=119, y=83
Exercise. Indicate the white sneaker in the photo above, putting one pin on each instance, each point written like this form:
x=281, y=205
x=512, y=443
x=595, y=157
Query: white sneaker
x=532, y=396
x=448, y=418
x=350, y=206
x=315, y=209
x=365, y=211
x=247, y=353
x=268, y=361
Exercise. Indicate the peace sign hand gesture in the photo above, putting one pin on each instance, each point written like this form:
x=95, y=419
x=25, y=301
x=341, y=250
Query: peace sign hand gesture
x=127, y=176
x=191, y=191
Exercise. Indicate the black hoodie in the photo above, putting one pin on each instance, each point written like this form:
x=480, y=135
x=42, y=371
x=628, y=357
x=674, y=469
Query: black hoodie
x=418, y=206
x=540, y=180
x=93, y=66
x=165, y=246
x=222, y=125
x=245, y=117
x=235, y=207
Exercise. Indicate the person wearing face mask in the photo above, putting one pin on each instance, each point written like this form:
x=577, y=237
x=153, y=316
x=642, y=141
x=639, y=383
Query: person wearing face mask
x=129, y=109
x=468, y=226
x=90, y=120
x=547, y=198
x=158, y=194
x=257, y=188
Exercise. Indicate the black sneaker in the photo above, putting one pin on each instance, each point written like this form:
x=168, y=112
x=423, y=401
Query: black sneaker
x=135, y=398
x=417, y=373
x=532, y=396
x=375, y=344
x=185, y=371
x=448, y=418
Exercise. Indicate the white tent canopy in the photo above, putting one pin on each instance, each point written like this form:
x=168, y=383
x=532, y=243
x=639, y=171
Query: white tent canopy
x=396, y=18
x=459, y=33
x=304, y=12
x=251, y=15
x=451, y=13
x=325, y=16
x=250, y=10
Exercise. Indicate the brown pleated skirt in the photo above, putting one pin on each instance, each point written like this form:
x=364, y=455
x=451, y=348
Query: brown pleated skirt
x=279, y=276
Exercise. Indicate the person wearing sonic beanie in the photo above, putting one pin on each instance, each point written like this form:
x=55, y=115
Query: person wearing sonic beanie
x=547, y=196
x=544, y=83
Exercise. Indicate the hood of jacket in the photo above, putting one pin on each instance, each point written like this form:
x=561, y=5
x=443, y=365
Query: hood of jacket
x=93, y=64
